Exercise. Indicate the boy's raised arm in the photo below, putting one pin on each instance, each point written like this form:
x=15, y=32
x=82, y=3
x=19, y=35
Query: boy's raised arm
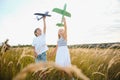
x=44, y=23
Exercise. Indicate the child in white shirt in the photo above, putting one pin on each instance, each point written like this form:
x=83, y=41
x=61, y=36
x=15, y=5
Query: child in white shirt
x=39, y=43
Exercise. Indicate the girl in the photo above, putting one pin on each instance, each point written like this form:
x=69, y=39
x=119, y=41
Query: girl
x=62, y=52
x=39, y=43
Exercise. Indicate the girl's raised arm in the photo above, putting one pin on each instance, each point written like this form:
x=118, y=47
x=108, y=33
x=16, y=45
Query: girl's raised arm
x=65, y=27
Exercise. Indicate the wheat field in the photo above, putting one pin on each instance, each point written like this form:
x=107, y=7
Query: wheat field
x=87, y=64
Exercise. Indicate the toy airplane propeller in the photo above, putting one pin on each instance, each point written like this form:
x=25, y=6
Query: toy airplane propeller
x=42, y=14
x=63, y=13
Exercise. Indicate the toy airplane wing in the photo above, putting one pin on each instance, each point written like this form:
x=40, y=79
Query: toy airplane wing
x=62, y=12
x=41, y=14
x=38, y=14
x=59, y=24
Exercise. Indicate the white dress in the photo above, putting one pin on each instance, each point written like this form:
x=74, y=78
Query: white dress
x=62, y=55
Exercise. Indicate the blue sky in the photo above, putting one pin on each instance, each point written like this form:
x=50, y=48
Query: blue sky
x=92, y=21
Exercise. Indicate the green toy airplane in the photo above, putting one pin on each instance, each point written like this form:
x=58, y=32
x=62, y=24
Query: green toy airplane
x=63, y=13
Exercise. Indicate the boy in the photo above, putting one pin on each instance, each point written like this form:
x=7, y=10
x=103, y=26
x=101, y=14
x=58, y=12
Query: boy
x=39, y=43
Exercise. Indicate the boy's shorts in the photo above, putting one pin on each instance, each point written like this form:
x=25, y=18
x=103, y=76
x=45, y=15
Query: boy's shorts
x=41, y=57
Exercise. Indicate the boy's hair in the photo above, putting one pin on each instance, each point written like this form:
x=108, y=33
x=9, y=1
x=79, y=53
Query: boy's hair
x=36, y=31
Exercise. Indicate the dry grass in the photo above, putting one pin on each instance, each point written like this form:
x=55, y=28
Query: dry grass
x=50, y=71
x=92, y=63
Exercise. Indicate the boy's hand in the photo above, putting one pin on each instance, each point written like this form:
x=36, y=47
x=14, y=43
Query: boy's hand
x=44, y=23
x=44, y=17
x=50, y=55
x=35, y=54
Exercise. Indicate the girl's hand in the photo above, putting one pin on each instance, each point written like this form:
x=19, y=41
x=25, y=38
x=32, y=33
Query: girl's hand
x=63, y=19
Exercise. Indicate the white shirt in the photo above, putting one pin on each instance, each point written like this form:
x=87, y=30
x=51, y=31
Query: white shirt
x=40, y=44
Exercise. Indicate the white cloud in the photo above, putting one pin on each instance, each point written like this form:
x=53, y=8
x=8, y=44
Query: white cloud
x=88, y=23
